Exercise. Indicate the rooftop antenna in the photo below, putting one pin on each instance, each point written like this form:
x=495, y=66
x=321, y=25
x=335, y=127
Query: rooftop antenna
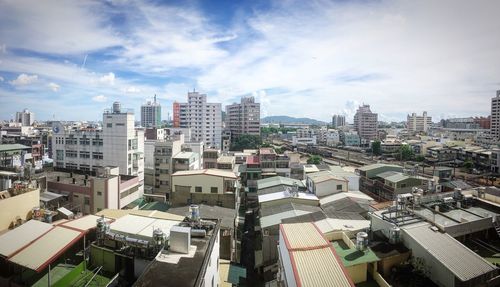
x=155, y=99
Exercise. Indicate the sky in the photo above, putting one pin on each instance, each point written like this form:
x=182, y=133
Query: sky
x=70, y=60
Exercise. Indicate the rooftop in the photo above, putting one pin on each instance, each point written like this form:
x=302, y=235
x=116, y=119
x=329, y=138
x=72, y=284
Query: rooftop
x=226, y=159
x=351, y=256
x=184, y=155
x=356, y=196
x=377, y=165
x=141, y=226
x=226, y=215
x=286, y=194
x=307, y=246
x=165, y=271
x=326, y=175
x=273, y=215
x=212, y=172
x=12, y=147
x=278, y=180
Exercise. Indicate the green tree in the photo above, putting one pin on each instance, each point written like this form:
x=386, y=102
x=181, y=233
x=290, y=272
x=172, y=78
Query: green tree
x=314, y=159
x=405, y=153
x=246, y=142
x=376, y=147
x=420, y=158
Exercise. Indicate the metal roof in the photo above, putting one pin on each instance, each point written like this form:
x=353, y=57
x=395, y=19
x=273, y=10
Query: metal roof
x=357, y=196
x=386, y=174
x=278, y=180
x=376, y=165
x=333, y=224
x=84, y=223
x=286, y=194
x=284, y=211
x=226, y=215
x=118, y=213
x=17, y=238
x=212, y=172
x=141, y=226
x=44, y=250
x=325, y=175
x=306, y=250
x=397, y=177
x=47, y=196
x=11, y=147
x=460, y=260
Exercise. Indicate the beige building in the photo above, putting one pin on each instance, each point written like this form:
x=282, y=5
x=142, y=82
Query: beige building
x=324, y=183
x=207, y=186
x=243, y=118
x=418, y=123
x=365, y=123
x=495, y=116
x=163, y=165
x=17, y=203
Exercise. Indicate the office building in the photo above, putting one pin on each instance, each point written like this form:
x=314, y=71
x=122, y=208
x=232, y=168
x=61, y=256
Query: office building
x=338, y=121
x=365, y=123
x=419, y=123
x=243, y=118
x=495, y=116
x=204, y=119
x=25, y=118
x=118, y=144
x=151, y=114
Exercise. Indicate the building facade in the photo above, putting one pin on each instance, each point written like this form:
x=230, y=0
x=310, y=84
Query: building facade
x=25, y=118
x=338, y=121
x=419, y=123
x=365, y=123
x=243, y=118
x=495, y=116
x=204, y=119
x=151, y=114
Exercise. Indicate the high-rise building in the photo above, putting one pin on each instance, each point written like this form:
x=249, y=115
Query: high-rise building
x=419, y=123
x=204, y=119
x=338, y=121
x=26, y=118
x=151, y=114
x=495, y=116
x=365, y=123
x=243, y=118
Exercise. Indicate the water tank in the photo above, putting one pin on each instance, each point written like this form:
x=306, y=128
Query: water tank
x=158, y=238
x=117, y=107
x=194, y=211
x=394, y=235
x=361, y=241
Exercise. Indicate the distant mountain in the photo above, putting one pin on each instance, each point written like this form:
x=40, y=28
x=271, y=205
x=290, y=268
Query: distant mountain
x=290, y=120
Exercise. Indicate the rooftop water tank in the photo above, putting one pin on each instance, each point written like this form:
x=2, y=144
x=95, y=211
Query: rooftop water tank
x=117, y=107
x=361, y=241
x=194, y=212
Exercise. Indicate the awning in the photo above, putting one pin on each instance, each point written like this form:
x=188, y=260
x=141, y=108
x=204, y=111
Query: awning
x=48, y=196
x=65, y=211
x=15, y=239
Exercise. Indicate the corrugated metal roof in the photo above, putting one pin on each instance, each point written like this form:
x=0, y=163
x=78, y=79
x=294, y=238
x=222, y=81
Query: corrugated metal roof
x=397, y=177
x=307, y=247
x=118, y=213
x=17, y=238
x=357, y=196
x=141, y=226
x=333, y=224
x=10, y=147
x=325, y=175
x=278, y=180
x=460, y=260
x=376, y=165
x=286, y=194
x=45, y=249
x=386, y=174
x=83, y=223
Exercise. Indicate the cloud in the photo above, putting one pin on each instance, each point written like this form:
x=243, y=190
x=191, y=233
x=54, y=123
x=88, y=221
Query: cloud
x=3, y=49
x=99, y=99
x=54, y=87
x=108, y=79
x=24, y=79
x=131, y=90
x=1, y=79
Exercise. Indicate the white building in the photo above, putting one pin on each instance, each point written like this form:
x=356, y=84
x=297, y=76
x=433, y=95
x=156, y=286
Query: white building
x=204, y=119
x=118, y=144
x=338, y=121
x=419, y=123
x=151, y=114
x=365, y=123
x=26, y=118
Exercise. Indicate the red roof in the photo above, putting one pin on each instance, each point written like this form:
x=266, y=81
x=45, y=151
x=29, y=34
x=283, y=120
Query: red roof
x=253, y=159
x=266, y=150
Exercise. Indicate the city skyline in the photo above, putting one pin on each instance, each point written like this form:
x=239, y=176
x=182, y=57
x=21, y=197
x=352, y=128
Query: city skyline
x=399, y=57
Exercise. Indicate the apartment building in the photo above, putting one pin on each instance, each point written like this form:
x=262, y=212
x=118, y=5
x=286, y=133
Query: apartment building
x=338, y=121
x=151, y=114
x=25, y=118
x=164, y=150
x=243, y=118
x=495, y=116
x=204, y=119
x=417, y=123
x=118, y=144
x=365, y=123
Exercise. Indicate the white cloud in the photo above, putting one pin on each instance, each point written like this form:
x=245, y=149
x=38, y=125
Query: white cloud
x=1, y=79
x=108, y=79
x=132, y=90
x=99, y=99
x=3, y=48
x=24, y=79
x=54, y=87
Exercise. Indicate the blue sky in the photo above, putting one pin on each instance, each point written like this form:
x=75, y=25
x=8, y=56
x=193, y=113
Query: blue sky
x=70, y=60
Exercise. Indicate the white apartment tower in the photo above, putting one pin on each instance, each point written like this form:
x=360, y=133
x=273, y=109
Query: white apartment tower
x=495, y=116
x=338, y=121
x=243, y=118
x=118, y=144
x=365, y=123
x=25, y=118
x=419, y=123
x=151, y=114
x=204, y=119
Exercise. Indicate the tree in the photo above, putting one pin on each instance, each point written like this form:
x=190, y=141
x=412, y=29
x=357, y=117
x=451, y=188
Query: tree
x=246, y=142
x=420, y=158
x=405, y=153
x=376, y=147
x=314, y=159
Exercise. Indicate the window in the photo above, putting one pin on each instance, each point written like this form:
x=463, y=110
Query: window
x=339, y=186
x=109, y=125
x=99, y=193
x=214, y=190
x=97, y=155
x=198, y=189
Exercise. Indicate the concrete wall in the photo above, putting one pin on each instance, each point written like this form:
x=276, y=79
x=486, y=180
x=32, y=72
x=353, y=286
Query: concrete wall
x=330, y=187
x=212, y=272
x=289, y=278
x=357, y=272
x=19, y=205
